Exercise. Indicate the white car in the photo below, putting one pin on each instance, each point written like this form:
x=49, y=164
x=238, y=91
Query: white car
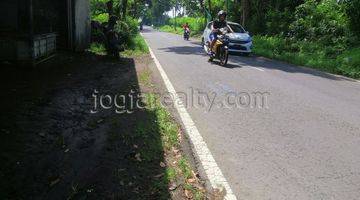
x=240, y=40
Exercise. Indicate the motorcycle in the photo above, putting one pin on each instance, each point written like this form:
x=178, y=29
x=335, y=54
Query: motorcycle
x=220, y=49
x=187, y=34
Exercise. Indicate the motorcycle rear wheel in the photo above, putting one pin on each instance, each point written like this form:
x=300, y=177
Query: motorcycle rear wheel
x=223, y=56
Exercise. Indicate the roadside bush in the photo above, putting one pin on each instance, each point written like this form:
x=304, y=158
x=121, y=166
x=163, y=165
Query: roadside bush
x=311, y=54
x=126, y=30
x=101, y=18
x=325, y=22
x=353, y=11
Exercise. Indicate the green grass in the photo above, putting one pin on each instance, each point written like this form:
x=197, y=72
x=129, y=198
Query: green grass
x=171, y=29
x=97, y=48
x=197, y=26
x=185, y=168
x=169, y=131
x=137, y=47
x=310, y=54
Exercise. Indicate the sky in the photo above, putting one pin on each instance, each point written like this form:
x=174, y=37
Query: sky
x=171, y=12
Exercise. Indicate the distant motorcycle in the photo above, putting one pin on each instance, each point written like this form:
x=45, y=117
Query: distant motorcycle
x=220, y=49
x=187, y=34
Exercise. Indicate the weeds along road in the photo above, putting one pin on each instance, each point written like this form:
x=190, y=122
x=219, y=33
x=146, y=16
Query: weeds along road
x=277, y=131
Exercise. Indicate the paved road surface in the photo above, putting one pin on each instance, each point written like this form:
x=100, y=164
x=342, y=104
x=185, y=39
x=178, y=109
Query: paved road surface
x=305, y=145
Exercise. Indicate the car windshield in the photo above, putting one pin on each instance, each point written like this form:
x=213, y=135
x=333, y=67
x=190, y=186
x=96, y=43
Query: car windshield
x=237, y=28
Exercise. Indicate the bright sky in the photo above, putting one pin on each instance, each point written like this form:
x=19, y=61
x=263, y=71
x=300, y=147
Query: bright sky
x=171, y=12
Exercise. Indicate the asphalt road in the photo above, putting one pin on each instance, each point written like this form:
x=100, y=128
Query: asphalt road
x=303, y=143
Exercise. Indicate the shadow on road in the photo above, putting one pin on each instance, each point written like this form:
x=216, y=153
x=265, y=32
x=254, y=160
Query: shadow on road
x=51, y=147
x=185, y=50
x=270, y=64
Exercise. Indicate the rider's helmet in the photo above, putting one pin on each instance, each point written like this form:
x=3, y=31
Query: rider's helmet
x=222, y=13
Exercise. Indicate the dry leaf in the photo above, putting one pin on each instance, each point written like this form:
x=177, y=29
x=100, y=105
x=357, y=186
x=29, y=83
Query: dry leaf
x=137, y=156
x=173, y=187
x=159, y=175
x=191, y=180
x=188, y=194
x=162, y=164
x=54, y=182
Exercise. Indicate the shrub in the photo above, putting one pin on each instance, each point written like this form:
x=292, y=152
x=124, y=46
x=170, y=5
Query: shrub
x=325, y=22
x=353, y=11
x=127, y=29
x=101, y=18
x=312, y=54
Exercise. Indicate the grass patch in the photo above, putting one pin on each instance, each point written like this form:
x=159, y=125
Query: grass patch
x=197, y=26
x=137, y=47
x=170, y=29
x=97, y=48
x=310, y=54
x=178, y=170
x=179, y=31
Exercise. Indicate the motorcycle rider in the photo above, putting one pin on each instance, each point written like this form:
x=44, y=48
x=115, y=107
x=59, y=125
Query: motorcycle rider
x=186, y=27
x=215, y=28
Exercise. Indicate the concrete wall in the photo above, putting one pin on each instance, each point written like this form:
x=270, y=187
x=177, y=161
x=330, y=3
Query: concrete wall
x=82, y=25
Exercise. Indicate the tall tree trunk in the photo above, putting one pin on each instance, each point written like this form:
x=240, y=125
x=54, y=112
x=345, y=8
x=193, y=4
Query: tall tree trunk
x=245, y=11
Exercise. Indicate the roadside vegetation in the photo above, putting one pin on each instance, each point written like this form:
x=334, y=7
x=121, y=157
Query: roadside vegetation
x=319, y=34
x=179, y=174
x=155, y=135
x=197, y=25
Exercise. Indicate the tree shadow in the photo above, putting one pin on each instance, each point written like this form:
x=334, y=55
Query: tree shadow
x=185, y=50
x=271, y=64
x=52, y=147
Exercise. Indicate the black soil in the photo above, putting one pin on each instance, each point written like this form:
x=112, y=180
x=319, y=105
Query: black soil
x=52, y=147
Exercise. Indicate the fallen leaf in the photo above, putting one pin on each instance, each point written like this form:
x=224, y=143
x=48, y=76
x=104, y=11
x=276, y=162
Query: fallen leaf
x=176, y=151
x=136, y=146
x=159, y=175
x=188, y=194
x=67, y=150
x=54, y=182
x=137, y=156
x=162, y=164
x=191, y=180
x=173, y=187
x=42, y=134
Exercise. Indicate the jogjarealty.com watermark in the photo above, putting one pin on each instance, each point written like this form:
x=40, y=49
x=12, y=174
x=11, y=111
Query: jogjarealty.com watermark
x=192, y=98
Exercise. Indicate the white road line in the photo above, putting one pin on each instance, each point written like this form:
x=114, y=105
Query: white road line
x=256, y=68
x=212, y=170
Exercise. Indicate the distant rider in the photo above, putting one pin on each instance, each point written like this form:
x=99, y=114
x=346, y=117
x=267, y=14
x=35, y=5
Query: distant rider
x=215, y=28
x=186, y=27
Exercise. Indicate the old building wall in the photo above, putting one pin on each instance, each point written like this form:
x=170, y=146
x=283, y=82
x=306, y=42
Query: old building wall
x=82, y=24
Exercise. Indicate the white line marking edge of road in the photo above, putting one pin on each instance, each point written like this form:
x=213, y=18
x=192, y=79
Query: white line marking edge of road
x=212, y=170
x=257, y=68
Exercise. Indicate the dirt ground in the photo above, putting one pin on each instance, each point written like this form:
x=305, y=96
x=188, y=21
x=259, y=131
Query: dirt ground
x=52, y=147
